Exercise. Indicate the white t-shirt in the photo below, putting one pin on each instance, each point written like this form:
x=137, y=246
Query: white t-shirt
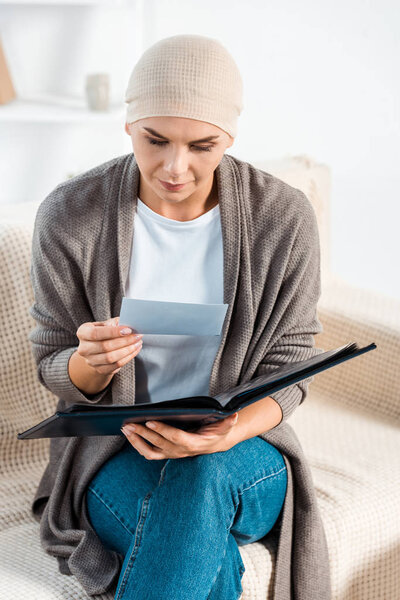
x=175, y=261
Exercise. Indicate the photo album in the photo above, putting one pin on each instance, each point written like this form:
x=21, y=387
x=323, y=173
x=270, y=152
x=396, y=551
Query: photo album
x=186, y=413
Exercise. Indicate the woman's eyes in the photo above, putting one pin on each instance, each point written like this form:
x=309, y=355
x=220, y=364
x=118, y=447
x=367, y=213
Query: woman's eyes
x=197, y=148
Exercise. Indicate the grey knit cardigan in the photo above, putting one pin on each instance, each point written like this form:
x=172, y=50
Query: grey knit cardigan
x=81, y=248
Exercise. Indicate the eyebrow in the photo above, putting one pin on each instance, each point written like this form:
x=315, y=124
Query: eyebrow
x=206, y=139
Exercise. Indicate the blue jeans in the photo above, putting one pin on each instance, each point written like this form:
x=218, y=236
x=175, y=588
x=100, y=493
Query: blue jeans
x=178, y=522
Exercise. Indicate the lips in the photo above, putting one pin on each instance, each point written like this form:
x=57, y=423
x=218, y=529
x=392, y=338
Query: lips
x=172, y=187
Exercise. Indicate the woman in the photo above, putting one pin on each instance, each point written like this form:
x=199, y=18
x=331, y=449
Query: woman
x=161, y=513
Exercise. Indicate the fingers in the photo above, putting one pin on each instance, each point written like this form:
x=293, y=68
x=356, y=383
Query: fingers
x=176, y=436
x=225, y=422
x=122, y=362
x=109, y=358
x=104, y=336
x=108, y=346
x=220, y=426
x=104, y=346
x=232, y=419
x=101, y=330
x=229, y=422
x=115, y=359
x=113, y=321
x=164, y=442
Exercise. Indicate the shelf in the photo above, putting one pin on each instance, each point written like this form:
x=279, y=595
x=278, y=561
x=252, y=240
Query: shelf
x=110, y=3
x=56, y=109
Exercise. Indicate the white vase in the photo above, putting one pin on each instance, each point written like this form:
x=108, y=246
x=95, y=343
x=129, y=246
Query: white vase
x=98, y=91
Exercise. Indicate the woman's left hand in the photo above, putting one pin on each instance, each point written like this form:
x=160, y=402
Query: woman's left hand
x=166, y=441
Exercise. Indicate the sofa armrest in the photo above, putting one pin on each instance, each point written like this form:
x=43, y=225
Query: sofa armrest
x=350, y=314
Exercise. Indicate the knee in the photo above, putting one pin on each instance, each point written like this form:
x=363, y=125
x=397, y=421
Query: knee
x=204, y=464
x=202, y=469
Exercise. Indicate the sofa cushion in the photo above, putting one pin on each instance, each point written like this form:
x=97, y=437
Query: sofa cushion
x=26, y=571
x=355, y=463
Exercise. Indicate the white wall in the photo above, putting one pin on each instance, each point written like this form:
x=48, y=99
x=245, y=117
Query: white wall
x=319, y=79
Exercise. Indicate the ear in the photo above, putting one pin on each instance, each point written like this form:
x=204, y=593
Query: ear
x=127, y=129
x=230, y=142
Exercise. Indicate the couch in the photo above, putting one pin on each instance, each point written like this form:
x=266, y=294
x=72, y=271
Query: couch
x=348, y=426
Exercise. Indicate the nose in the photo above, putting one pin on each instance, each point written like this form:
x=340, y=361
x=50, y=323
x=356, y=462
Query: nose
x=176, y=165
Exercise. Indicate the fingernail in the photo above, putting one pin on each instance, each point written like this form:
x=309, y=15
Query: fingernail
x=127, y=429
x=126, y=331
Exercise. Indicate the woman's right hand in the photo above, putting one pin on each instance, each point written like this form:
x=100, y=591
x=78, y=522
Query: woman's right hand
x=103, y=346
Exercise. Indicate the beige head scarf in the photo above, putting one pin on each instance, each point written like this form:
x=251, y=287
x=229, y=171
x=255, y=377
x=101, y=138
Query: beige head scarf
x=190, y=76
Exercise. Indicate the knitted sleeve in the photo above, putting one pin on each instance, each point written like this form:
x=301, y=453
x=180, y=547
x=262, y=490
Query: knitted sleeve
x=59, y=307
x=296, y=311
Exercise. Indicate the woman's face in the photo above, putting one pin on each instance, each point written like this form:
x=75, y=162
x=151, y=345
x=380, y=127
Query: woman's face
x=173, y=150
